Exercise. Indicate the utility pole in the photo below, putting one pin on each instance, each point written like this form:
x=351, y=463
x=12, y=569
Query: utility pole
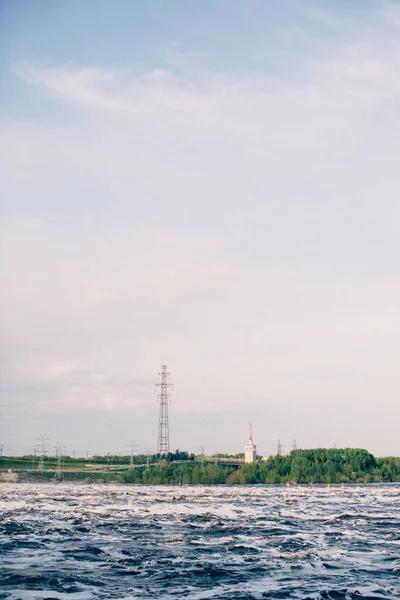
x=164, y=397
x=43, y=442
x=294, y=446
x=131, y=446
x=60, y=448
x=1, y=449
x=279, y=448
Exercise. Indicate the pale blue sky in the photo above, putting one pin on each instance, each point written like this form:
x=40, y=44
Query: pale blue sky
x=213, y=185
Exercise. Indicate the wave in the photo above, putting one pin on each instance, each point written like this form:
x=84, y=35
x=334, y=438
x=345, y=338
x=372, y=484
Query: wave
x=237, y=542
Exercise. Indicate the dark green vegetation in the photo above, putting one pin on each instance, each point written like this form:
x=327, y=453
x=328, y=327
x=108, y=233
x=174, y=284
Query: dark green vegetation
x=139, y=459
x=332, y=466
x=301, y=466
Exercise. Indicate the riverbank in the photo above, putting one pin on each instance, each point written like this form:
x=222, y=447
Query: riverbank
x=330, y=466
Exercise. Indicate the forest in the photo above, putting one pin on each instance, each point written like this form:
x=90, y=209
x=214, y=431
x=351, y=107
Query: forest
x=300, y=466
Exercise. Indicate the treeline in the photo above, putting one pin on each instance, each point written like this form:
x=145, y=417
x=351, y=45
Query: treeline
x=300, y=466
x=31, y=461
x=139, y=459
x=331, y=466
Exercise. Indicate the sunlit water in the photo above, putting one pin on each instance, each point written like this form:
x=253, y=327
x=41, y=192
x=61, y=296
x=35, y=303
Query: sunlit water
x=246, y=542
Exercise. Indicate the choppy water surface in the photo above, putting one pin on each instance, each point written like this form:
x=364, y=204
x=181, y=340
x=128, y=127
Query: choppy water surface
x=246, y=542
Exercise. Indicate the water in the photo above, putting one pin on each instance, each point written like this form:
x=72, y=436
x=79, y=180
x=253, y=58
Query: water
x=226, y=543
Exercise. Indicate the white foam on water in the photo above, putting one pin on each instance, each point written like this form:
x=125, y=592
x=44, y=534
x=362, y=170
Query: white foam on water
x=42, y=594
x=133, y=535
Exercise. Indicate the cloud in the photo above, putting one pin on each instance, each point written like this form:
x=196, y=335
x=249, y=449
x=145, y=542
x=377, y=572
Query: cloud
x=321, y=16
x=345, y=89
x=83, y=85
x=390, y=12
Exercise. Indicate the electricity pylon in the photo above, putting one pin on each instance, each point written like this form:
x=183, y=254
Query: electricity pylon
x=132, y=446
x=202, y=452
x=43, y=443
x=164, y=397
x=279, y=450
x=60, y=449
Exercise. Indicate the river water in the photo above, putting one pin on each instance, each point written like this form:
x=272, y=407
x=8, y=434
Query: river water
x=221, y=542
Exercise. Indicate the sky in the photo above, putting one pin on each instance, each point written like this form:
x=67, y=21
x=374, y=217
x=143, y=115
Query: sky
x=209, y=185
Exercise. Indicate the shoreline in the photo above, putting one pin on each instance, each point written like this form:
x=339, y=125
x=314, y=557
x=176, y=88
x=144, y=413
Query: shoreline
x=84, y=481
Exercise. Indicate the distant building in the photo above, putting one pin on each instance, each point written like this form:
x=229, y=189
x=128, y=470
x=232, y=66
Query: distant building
x=250, y=451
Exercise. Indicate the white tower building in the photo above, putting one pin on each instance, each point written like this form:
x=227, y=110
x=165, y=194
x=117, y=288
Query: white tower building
x=250, y=451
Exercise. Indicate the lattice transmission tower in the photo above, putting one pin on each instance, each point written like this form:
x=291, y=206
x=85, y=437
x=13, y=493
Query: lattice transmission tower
x=132, y=447
x=43, y=443
x=164, y=397
x=60, y=449
x=279, y=448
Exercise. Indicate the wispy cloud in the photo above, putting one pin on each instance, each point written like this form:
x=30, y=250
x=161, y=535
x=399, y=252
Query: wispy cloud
x=316, y=14
x=82, y=85
x=390, y=12
x=337, y=90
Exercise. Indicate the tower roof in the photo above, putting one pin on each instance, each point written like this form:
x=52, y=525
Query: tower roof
x=250, y=443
